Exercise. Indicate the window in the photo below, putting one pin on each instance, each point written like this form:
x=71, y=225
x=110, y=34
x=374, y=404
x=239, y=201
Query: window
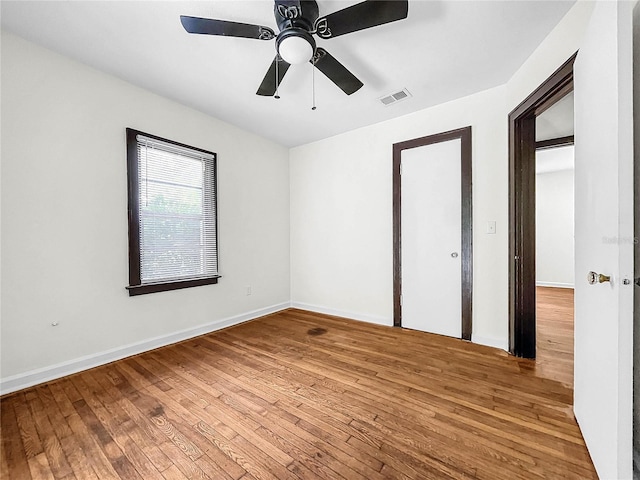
x=172, y=215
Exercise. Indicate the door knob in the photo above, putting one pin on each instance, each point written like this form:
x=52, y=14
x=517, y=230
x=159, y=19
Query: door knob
x=593, y=278
x=454, y=255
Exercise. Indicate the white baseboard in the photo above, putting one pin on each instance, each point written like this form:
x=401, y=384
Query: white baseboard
x=41, y=375
x=555, y=284
x=363, y=317
x=500, y=343
x=487, y=341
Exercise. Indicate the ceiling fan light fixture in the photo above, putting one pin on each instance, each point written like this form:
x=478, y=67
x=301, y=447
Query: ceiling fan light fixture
x=295, y=46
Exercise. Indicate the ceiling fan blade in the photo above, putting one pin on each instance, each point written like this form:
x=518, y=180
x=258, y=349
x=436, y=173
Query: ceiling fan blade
x=336, y=72
x=367, y=14
x=268, y=86
x=209, y=26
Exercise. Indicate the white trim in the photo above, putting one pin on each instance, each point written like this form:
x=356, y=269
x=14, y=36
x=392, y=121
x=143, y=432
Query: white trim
x=363, y=317
x=41, y=375
x=555, y=284
x=500, y=343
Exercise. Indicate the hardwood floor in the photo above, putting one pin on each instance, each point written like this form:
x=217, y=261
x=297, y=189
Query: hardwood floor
x=297, y=395
x=554, y=332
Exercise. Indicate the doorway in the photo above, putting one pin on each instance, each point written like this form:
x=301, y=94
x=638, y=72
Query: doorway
x=438, y=267
x=522, y=208
x=555, y=242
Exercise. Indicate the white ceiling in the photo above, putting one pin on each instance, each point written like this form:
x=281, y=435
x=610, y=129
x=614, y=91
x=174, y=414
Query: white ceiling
x=442, y=51
x=557, y=120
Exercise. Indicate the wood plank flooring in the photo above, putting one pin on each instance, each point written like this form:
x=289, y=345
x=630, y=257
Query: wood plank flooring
x=554, y=332
x=297, y=395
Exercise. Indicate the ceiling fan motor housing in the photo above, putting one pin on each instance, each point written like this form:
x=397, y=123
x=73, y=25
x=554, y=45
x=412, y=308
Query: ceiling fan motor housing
x=299, y=14
x=295, y=19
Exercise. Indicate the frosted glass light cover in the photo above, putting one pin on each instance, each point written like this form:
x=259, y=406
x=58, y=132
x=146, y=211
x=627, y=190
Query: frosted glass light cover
x=295, y=50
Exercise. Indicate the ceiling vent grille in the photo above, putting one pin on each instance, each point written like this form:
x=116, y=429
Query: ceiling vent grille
x=395, y=97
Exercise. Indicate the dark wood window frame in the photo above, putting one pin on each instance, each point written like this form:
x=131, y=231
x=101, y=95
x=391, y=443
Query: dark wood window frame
x=522, y=200
x=464, y=134
x=135, y=286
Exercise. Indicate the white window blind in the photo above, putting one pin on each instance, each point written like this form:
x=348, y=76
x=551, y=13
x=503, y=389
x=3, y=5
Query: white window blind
x=177, y=224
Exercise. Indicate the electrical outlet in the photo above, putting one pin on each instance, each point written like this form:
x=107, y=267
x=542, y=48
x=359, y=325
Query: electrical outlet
x=248, y=290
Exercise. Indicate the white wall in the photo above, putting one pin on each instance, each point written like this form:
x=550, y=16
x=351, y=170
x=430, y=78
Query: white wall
x=554, y=224
x=64, y=219
x=341, y=211
x=560, y=44
x=341, y=204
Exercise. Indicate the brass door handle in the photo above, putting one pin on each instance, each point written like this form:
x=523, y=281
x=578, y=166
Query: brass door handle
x=593, y=278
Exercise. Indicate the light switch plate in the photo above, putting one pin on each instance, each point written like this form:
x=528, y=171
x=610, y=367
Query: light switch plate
x=491, y=227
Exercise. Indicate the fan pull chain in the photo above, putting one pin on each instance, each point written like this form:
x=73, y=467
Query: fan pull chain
x=313, y=83
x=277, y=77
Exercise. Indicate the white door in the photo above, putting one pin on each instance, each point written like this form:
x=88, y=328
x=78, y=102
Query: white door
x=604, y=238
x=431, y=238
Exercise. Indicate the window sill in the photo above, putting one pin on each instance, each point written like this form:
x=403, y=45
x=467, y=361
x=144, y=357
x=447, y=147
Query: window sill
x=172, y=285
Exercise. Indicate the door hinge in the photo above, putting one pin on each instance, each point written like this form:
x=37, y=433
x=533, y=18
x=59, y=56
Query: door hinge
x=400, y=169
x=400, y=299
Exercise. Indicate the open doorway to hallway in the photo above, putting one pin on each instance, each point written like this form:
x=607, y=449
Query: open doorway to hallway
x=555, y=241
x=522, y=203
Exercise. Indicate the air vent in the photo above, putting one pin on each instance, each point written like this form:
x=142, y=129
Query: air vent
x=395, y=97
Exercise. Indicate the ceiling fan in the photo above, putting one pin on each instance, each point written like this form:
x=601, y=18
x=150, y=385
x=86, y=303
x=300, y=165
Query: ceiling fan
x=297, y=22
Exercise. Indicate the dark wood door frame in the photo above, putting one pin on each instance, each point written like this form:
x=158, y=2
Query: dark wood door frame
x=522, y=213
x=554, y=143
x=466, y=254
